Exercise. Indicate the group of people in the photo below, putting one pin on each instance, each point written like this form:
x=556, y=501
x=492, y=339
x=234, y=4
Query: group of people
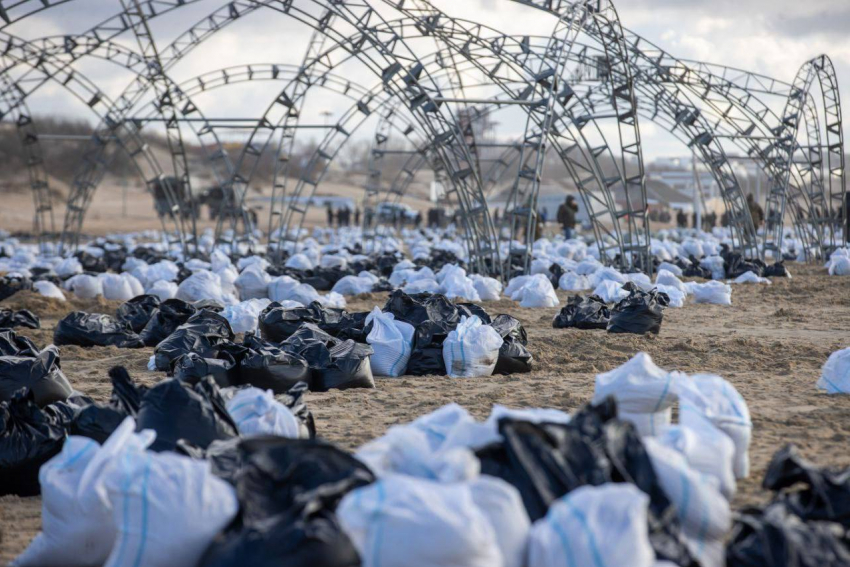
x=342, y=216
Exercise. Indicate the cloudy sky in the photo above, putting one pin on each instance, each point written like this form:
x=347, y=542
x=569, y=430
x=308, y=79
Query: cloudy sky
x=773, y=37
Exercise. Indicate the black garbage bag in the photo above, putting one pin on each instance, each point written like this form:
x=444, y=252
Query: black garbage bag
x=351, y=326
x=514, y=358
x=288, y=490
x=201, y=334
x=29, y=437
x=13, y=345
x=192, y=367
x=349, y=367
x=426, y=357
x=268, y=367
x=777, y=537
x=546, y=461
x=641, y=312
x=170, y=314
x=277, y=323
x=95, y=329
x=693, y=270
x=209, y=305
x=40, y=374
x=420, y=307
x=470, y=309
x=90, y=262
x=583, y=313
x=777, y=270
x=301, y=538
x=224, y=456
x=10, y=319
x=65, y=411
x=12, y=284
x=821, y=494
x=176, y=410
x=735, y=265
x=99, y=421
x=138, y=311
x=312, y=344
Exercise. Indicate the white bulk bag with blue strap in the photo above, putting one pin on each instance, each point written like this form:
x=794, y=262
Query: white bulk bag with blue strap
x=645, y=393
x=256, y=412
x=77, y=527
x=835, y=374
x=707, y=450
x=472, y=349
x=712, y=397
x=167, y=509
x=594, y=526
x=411, y=522
x=703, y=513
x=392, y=342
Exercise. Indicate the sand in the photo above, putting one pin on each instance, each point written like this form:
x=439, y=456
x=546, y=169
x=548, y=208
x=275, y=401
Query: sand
x=771, y=344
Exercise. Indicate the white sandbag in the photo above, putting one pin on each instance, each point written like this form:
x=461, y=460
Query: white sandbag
x=677, y=297
x=502, y=504
x=714, y=264
x=228, y=276
x=202, y=285
x=515, y=286
x=750, y=277
x=167, y=508
x=839, y=262
x=489, y=289
x=714, y=292
x=406, y=449
x=835, y=374
x=333, y=261
x=392, y=342
x=299, y=262
x=219, y=261
x=672, y=268
x=606, y=274
x=68, y=267
x=305, y=294
x=243, y=263
x=667, y=278
x=135, y=285
x=77, y=526
x=472, y=349
x=422, y=286
x=703, y=512
x=115, y=287
x=707, y=449
x=594, y=526
x=253, y=283
x=640, y=280
x=353, y=285
x=644, y=392
x=163, y=270
x=163, y=290
x=611, y=291
x=716, y=399
x=458, y=286
x=244, y=316
x=280, y=288
x=333, y=300
x=588, y=266
x=538, y=292
x=256, y=412
x=571, y=281
x=85, y=286
x=410, y=522
x=48, y=289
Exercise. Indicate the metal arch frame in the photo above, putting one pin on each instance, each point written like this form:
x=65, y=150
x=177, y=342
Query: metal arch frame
x=27, y=132
x=92, y=96
x=801, y=109
x=440, y=121
x=836, y=170
x=507, y=53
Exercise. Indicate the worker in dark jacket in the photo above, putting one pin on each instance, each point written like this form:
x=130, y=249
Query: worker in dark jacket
x=567, y=213
x=755, y=211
